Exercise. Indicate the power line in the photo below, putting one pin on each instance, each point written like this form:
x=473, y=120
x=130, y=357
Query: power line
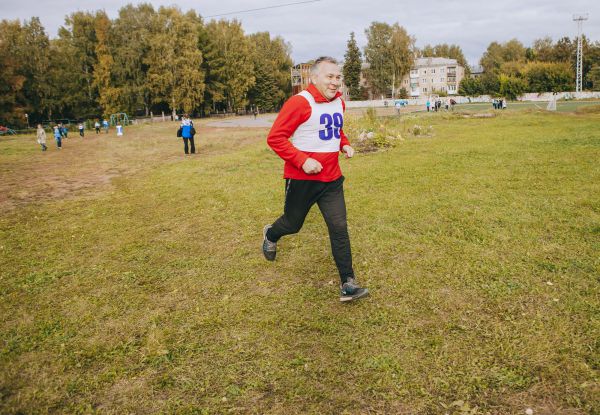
x=264, y=8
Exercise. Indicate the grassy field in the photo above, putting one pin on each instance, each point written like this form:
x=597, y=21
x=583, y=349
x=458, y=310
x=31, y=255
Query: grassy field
x=561, y=106
x=132, y=279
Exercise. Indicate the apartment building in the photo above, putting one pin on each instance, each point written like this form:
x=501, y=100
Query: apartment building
x=432, y=76
x=300, y=75
x=476, y=71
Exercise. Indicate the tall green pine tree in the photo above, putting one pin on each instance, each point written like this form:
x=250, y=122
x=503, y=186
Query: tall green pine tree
x=352, y=66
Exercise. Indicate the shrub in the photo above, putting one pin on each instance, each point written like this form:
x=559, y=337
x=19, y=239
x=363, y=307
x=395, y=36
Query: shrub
x=421, y=130
x=370, y=133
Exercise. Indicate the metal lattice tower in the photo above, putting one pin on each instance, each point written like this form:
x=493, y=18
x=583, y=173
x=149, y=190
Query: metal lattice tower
x=579, y=18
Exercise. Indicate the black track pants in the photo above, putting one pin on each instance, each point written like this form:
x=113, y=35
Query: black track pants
x=300, y=196
x=185, y=145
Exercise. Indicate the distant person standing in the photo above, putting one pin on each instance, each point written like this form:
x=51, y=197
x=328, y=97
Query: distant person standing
x=187, y=133
x=81, y=129
x=105, y=125
x=41, y=137
x=58, y=136
x=428, y=104
x=63, y=130
x=452, y=104
x=97, y=126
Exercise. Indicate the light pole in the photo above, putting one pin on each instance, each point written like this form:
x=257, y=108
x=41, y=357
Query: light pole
x=27, y=118
x=579, y=18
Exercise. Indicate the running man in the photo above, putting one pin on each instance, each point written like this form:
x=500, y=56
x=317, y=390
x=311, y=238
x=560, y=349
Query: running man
x=313, y=120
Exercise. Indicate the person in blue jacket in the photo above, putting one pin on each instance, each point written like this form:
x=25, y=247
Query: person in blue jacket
x=187, y=133
x=63, y=131
x=58, y=136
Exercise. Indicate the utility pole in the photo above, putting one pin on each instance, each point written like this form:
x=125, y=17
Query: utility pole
x=579, y=18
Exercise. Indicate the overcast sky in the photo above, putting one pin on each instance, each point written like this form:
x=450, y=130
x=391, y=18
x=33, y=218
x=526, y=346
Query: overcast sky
x=323, y=27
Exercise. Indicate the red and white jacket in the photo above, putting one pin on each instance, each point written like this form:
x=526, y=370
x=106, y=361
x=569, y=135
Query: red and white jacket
x=314, y=125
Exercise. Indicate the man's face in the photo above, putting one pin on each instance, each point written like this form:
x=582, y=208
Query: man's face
x=328, y=79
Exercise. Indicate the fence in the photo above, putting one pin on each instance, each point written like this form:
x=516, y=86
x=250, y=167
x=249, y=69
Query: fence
x=546, y=96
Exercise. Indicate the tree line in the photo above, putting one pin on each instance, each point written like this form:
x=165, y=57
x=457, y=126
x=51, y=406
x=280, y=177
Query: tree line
x=509, y=69
x=144, y=60
x=167, y=60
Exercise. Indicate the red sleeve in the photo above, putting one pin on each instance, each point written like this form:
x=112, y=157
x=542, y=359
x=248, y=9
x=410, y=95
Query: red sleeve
x=294, y=112
x=343, y=139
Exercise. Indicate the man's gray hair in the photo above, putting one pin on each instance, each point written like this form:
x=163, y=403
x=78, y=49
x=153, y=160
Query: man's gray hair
x=315, y=67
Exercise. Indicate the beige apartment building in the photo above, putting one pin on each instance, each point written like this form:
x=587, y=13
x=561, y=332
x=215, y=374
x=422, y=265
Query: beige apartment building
x=433, y=75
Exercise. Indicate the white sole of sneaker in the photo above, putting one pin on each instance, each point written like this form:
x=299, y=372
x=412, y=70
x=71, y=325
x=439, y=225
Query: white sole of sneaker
x=352, y=298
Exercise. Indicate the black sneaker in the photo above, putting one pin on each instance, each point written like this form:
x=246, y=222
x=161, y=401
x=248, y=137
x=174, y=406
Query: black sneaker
x=351, y=291
x=269, y=248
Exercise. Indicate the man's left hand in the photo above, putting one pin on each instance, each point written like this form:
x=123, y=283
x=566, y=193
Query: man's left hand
x=348, y=150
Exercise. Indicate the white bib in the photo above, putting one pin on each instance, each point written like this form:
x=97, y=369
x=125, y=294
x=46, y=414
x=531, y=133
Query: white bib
x=321, y=132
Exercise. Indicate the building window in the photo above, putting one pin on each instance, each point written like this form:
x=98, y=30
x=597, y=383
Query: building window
x=424, y=89
x=441, y=79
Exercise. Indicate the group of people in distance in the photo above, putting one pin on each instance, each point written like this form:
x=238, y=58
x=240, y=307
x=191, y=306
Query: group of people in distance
x=436, y=105
x=499, y=103
x=61, y=131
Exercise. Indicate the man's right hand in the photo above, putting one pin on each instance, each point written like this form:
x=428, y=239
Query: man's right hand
x=312, y=166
